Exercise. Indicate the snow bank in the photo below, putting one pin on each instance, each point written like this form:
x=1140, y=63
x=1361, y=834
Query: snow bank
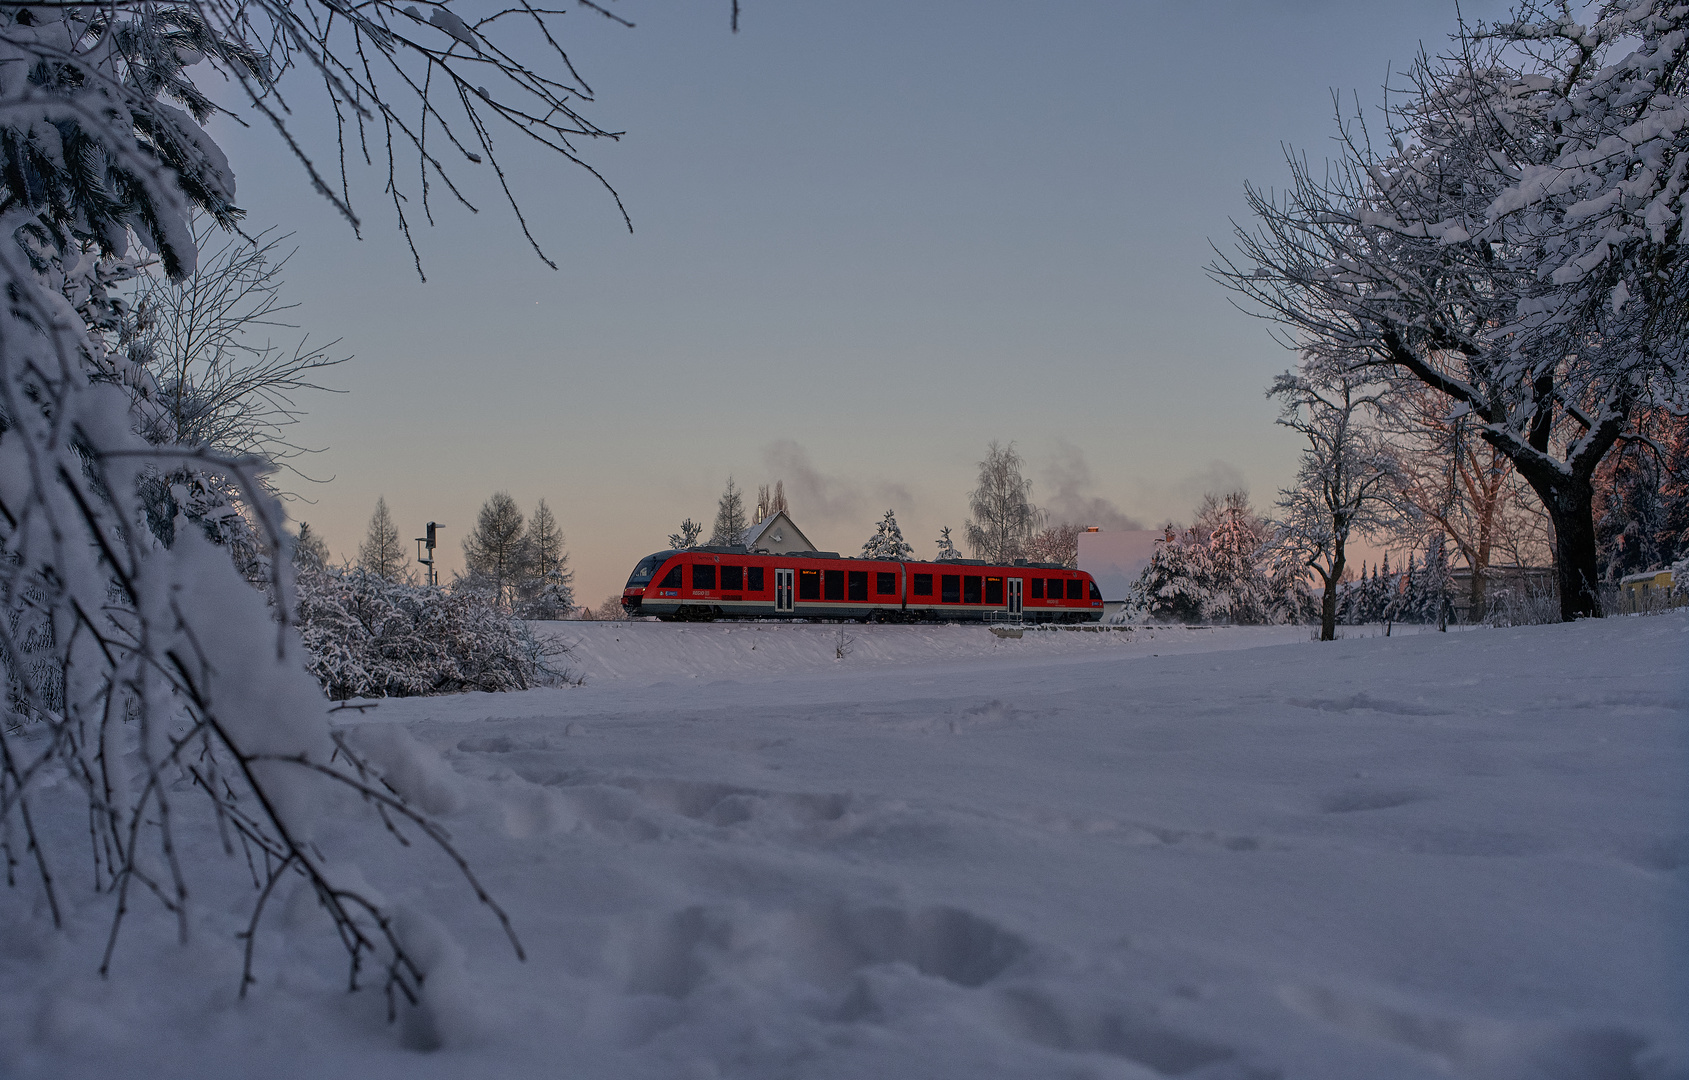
x=733, y=854
x=642, y=652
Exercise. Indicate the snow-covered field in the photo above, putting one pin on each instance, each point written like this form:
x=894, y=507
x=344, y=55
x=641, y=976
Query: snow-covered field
x=1205, y=854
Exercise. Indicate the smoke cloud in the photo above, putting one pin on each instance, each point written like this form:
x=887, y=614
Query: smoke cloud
x=1068, y=479
x=829, y=499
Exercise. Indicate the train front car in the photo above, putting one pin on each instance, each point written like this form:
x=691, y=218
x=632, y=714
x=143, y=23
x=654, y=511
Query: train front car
x=640, y=587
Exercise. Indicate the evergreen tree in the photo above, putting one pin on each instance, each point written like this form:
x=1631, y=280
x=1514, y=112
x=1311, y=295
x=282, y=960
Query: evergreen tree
x=687, y=537
x=730, y=523
x=309, y=551
x=382, y=553
x=547, y=588
x=1173, y=587
x=1410, y=605
x=495, y=553
x=887, y=541
x=1438, y=587
x=946, y=547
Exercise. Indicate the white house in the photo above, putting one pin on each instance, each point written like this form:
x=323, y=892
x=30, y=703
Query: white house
x=776, y=534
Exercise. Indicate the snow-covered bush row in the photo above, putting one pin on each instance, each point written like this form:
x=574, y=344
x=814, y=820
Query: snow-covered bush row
x=366, y=636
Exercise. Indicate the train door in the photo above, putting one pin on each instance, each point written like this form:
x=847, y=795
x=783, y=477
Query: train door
x=783, y=590
x=1014, y=596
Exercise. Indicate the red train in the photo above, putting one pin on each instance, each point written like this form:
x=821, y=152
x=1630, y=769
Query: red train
x=733, y=583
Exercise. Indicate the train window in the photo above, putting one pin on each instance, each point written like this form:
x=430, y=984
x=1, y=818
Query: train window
x=1075, y=589
x=993, y=590
x=832, y=584
x=809, y=584
x=1096, y=593
x=886, y=585
x=703, y=577
x=950, y=588
x=920, y=584
x=671, y=580
x=859, y=585
x=753, y=578
x=732, y=578
x=1037, y=588
x=646, y=569
x=1055, y=588
x=970, y=589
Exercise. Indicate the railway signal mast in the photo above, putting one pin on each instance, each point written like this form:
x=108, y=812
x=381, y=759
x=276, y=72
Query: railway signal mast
x=425, y=552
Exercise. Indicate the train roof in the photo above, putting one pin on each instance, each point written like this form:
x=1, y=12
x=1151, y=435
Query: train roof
x=740, y=549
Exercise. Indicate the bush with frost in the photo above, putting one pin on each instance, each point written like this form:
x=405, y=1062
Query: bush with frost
x=367, y=636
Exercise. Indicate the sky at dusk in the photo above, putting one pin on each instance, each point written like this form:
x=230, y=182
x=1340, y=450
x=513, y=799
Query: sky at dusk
x=868, y=238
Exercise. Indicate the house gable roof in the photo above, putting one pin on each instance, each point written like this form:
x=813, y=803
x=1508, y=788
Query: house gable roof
x=777, y=531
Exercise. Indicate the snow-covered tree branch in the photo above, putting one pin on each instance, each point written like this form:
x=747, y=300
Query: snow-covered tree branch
x=1515, y=246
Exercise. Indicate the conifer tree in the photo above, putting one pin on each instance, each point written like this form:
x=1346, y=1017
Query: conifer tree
x=495, y=553
x=730, y=523
x=887, y=541
x=946, y=547
x=547, y=587
x=381, y=553
x=1438, y=587
x=309, y=550
x=687, y=537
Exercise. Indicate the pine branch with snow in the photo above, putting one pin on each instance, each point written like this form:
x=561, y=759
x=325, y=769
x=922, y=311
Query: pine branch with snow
x=887, y=541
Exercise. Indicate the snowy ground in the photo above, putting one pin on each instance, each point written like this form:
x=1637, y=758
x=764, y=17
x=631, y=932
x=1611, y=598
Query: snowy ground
x=1205, y=854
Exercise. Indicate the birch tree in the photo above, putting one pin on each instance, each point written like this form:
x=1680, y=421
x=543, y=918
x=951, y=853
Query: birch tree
x=1001, y=504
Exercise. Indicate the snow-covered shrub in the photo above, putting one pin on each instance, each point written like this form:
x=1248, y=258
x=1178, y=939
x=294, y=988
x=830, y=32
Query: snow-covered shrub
x=367, y=636
x=887, y=541
x=1229, y=566
x=150, y=688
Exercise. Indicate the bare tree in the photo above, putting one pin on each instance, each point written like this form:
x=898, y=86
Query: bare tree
x=1057, y=543
x=382, y=553
x=221, y=381
x=144, y=675
x=1003, y=515
x=547, y=588
x=1514, y=249
x=730, y=523
x=1346, y=483
x=1461, y=486
x=769, y=504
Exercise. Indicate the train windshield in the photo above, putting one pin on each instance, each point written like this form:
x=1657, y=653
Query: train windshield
x=647, y=567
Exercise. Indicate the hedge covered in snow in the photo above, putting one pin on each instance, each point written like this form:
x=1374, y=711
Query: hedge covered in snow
x=369, y=637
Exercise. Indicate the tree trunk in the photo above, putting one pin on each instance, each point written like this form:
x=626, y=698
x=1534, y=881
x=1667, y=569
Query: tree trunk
x=1328, y=602
x=1570, y=501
